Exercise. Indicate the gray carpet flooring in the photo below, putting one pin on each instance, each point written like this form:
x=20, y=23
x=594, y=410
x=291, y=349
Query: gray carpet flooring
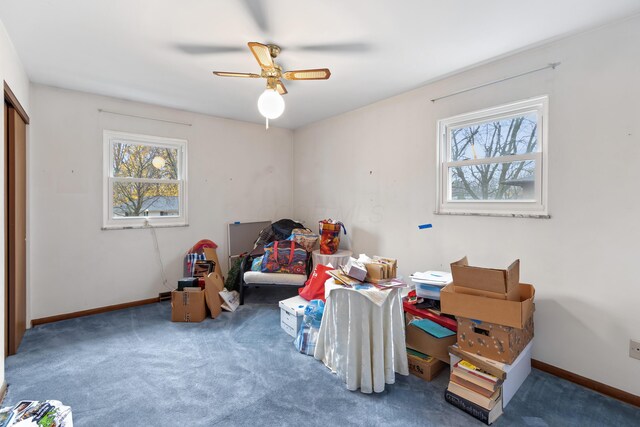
x=134, y=367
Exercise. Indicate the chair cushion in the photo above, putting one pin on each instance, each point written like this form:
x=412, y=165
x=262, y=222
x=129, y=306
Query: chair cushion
x=258, y=278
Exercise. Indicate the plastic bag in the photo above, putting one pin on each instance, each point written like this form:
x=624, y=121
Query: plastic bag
x=308, y=334
x=330, y=236
x=314, y=287
x=283, y=256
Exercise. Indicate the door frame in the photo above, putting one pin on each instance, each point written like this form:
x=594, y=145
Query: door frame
x=11, y=101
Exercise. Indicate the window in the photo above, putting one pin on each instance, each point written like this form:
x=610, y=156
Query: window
x=144, y=180
x=493, y=162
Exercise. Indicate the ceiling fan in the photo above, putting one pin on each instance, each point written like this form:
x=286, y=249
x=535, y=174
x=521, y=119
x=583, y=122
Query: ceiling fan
x=270, y=103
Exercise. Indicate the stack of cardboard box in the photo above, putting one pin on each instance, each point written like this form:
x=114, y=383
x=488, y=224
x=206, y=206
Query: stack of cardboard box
x=194, y=295
x=492, y=357
x=428, y=333
x=428, y=337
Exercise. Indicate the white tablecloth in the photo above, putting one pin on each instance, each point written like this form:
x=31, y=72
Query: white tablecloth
x=361, y=342
x=339, y=258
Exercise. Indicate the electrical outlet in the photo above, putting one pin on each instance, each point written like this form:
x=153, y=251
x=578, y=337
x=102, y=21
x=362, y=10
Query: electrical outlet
x=634, y=349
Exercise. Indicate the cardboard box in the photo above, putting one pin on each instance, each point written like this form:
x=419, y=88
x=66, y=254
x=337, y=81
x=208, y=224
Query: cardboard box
x=419, y=340
x=426, y=368
x=512, y=295
x=291, y=314
x=495, y=282
x=213, y=285
x=513, y=374
x=212, y=255
x=188, y=305
x=501, y=312
x=496, y=342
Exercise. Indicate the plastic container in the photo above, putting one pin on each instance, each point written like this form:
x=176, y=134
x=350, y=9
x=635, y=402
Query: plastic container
x=425, y=290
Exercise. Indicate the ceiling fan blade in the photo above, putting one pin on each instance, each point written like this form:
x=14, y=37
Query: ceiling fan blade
x=262, y=54
x=232, y=74
x=206, y=49
x=314, y=74
x=336, y=47
x=259, y=14
x=280, y=88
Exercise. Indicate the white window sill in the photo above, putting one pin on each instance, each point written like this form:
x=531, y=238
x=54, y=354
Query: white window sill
x=141, y=226
x=498, y=214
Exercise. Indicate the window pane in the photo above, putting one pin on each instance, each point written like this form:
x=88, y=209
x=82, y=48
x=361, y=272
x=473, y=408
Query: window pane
x=503, y=137
x=143, y=199
x=494, y=181
x=144, y=161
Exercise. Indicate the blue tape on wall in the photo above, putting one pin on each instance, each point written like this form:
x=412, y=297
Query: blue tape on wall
x=423, y=226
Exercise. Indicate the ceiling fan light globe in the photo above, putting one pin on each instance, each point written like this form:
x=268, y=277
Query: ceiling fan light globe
x=271, y=104
x=158, y=162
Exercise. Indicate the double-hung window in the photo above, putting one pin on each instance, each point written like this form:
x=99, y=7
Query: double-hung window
x=144, y=180
x=493, y=162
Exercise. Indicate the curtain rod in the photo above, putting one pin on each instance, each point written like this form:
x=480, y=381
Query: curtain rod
x=142, y=117
x=553, y=66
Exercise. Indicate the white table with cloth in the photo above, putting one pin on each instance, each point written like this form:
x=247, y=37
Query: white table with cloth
x=361, y=336
x=341, y=257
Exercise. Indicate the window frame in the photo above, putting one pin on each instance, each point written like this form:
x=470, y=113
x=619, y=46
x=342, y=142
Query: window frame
x=513, y=208
x=108, y=220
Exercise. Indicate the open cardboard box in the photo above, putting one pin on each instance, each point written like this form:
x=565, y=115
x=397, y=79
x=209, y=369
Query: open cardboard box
x=421, y=341
x=456, y=301
x=512, y=295
x=211, y=255
x=212, y=288
x=491, y=282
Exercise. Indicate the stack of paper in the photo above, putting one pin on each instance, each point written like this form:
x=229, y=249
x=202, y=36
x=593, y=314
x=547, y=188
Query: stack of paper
x=438, y=278
x=429, y=283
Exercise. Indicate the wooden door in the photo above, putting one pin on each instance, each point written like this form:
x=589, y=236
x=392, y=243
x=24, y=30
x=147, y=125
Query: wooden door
x=16, y=231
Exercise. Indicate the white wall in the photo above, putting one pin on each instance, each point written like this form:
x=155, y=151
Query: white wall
x=12, y=72
x=237, y=172
x=374, y=168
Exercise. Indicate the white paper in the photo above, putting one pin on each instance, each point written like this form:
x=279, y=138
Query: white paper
x=438, y=278
x=231, y=300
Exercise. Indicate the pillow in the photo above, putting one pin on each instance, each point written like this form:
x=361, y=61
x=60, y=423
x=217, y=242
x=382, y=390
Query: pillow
x=314, y=287
x=256, y=264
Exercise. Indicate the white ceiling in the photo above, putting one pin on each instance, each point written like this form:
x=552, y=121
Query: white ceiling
x=139, y=49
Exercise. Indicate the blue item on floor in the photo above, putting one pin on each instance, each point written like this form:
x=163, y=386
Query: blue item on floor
x=308, y=334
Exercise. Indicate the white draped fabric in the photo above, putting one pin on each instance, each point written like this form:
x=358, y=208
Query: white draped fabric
x=360, y=341
x=336, y=260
